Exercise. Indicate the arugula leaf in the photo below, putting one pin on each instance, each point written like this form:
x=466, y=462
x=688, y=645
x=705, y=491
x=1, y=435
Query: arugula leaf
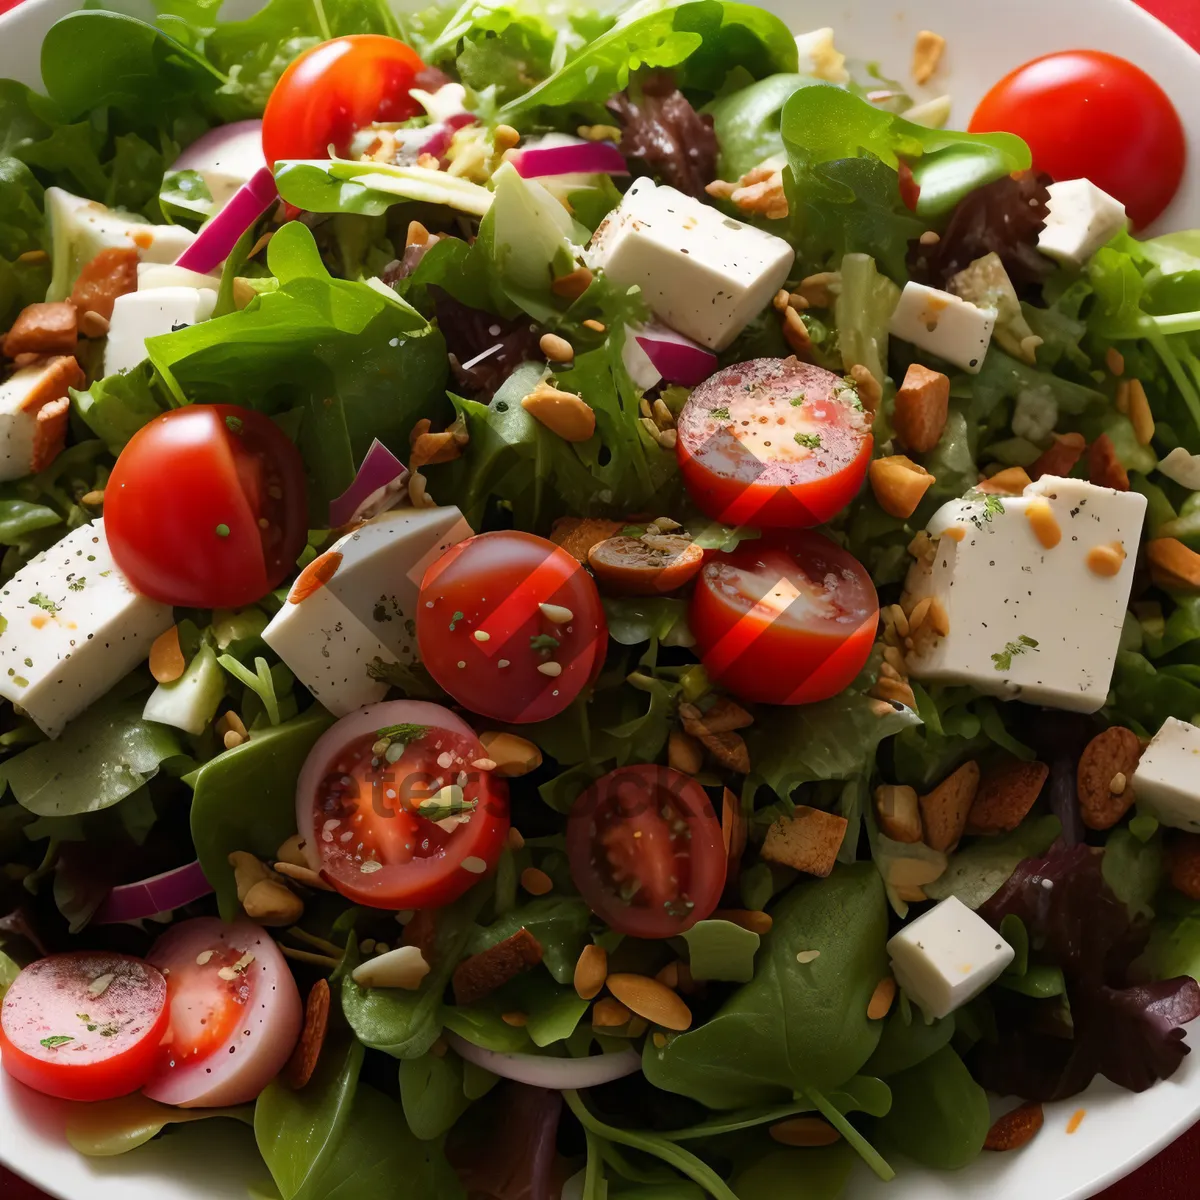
x=746, y=122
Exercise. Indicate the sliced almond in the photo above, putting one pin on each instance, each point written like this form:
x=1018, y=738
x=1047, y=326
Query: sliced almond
x=804, y=1131
x=591, y=971
x=610, y=1014
x=166, y=657
x=270, y=903
x=899, y=813
x=752, y=919
x=1015, y=1129
x=561, y=412
x=303, y=1063
x=513, y=755
x=405, y=967
x=651, y=999
x=881, y=999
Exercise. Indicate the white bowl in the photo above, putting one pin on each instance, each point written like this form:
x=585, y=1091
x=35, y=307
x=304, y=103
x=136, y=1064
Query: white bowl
x=216, y=1160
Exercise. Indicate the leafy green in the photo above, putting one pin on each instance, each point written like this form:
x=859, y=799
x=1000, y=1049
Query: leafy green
x=1174, y=947
x=105, y=1128
x=1134, y=870
x=700, y=39
x=245, y=799
x=633, y=620
x=431, y=1092
x=102, y=757
x=979, y=870
x=863, y=310
x=117, y=406
x=907, y=1040
x=9, y=970
x=939, y=1114
x=558, y=922
x=794, y=1026
x=746, y=122
x=298, y=1131
x=778, y=1174
x=721, y=950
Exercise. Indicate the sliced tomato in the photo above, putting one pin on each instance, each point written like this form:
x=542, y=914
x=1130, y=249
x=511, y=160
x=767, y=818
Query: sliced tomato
x=84, y=1026
x=393, y=809
x=646, y=851
x=235, y=1013
x=511, y=625
x=775, y=443
x=788, y=619
x=1091, y=115
x=335, y=89
x=206, y=507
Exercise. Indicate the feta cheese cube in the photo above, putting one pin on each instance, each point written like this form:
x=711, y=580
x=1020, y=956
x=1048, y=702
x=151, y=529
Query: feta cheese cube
x=701, y=272
x=943, y=324
x=1167, y=780
x=328, y=651
x=365, y=606
x=72, y=627
x=1026, y=619
x=1082, y=218
x=34, y=411
x=383, y=563
x=228, y=161
x=947, y=956
x=146, y=314
x=165, y=275
x=80, y=229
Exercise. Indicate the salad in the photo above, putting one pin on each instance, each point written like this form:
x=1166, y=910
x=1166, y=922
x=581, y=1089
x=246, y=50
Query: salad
x=593, y=603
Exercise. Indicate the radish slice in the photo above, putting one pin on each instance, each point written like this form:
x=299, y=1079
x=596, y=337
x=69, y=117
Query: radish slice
x=557, y=155
x=235, y=1013
x=158, y=894
x=381, y=472
x=676, y=358
x=225, y=158
x=557, y=1074
x=440, y=134
x=219, y=236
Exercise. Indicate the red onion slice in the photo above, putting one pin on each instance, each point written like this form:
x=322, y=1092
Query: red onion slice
x=557, y=1074
x=440, y=134
x=158, y=894
x=379, y=468
x=219, y=236
x=676, y=358
x=575, y=158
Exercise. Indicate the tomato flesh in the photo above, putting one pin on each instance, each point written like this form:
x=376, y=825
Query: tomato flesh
x=774, y=443
x=335, y=89
x=206, y=507
x=1090, y=115
x=646, y=851
x=363, y=799
x=511, y=626
x=84, y=1026
x=789, y=619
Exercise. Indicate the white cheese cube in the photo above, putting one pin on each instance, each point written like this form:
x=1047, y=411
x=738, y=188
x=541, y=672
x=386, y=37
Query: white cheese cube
x=34, y=412
x=80, y=229
x=943, y=324
x=383, y=563
x=165, y=275
x=1167, y=780
x=947, y=956
x=820, y=58
x=1082, y=218
x=72, y=629
x=141, y=315
x=229, y=161
x=328, y=651
x=701, y=272
x=1028, y=621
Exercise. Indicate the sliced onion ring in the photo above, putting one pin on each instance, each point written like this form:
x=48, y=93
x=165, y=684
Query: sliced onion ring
x=380, y=468
x=158, y=894
x=576, y=158
x=441, y=133
x=676, y=358
x=557, y=1074
x=206, y=149
x=219, y=236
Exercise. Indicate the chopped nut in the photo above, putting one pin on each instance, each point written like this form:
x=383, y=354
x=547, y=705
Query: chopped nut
x=93, y=325
x=302, y=875
x=899, y=484
x=1012, y=481
x=599, y=133
x=821, y=289
x=505, y=137
x=247, y=871
x=512, y=755
x=945, y=809
x=808, y=840
x=595, y=326
x=417, y=234
x=804, y=1131
x=1104, y=467
x=796, y=333
x=536, y=882
x=891, y=689
x=684, y=753
x=922, y=406
x=1114, y=360
x=556, y=349
x=927, y=54
x=517, y=1019
x=561, y=412
x=571, y=286
x=292, y=851
x=1015, y=1129
x=729, y=749
x=300, y=1067
x=590, y=972
x=870, y=390
x=1139, y=412
x=270, y=903
x=763, y=197
x=939, y=618
x=663, y=417
x=899, y=815
x=781, y=300
x=721, y=717
x=650, y=999
x=610, y=1014
x=881, y=999
x=1110, y=756
x=920, y=611
x=167, y=663
x=405, y=967
x=232, y=739
x=1173, y=565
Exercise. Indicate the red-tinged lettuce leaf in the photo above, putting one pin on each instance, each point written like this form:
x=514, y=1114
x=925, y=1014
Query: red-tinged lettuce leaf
x=1130, y=1033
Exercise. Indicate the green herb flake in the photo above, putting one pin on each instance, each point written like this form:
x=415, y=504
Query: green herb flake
x=222, y=530
x=993, y=506
x=796, y=401
x=405, y=733
x=454, y=620
x=29, y=662
x=58, y=1039
x=810, y=441
x=720, y=414
x=42, y=601
x=77, y=585
x=20, y=681
x=1022, y=645
x=234, y=424
x=543, y=643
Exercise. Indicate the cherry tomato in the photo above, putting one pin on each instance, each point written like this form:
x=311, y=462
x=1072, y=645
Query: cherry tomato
x=235, y=1013
x=773, y=443
x=335, y=89
x=393, y=810
x=511, y=626
x=84, y=1026
x=646, y=851
x=1090, y=115
x=205, y=507
x=788, y=619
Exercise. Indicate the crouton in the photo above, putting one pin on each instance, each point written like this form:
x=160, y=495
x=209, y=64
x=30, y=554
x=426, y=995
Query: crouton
x=1173, y=565
x=898, y=814
x=1183, y=864
x=577, y=535
x=1012, y=481
x=1006, y=793
x=482, y=973
x=43, y=329
x=922, y=405
x=945, y=809
x=808, y=840
x=1102, y=780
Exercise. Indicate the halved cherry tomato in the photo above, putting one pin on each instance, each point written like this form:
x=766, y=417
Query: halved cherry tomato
x=511, y=626
x=788, y=619
x=235, y=1013
x=629, y=566
x=205, y=507
x=84, y=1026
x=1091, y=115
x=646, y=851
x=775, y=443
x=335, y=89
x=395, y=813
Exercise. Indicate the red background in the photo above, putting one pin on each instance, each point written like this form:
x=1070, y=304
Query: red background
x=1168, y=1177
